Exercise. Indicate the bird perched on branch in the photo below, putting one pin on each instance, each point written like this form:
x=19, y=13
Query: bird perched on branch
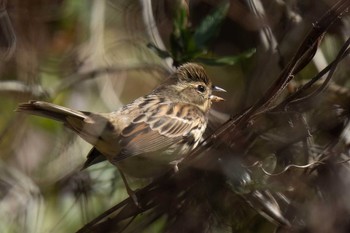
x=151, y=134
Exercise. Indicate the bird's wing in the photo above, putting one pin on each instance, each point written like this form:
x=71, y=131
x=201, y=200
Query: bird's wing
x=160, y=127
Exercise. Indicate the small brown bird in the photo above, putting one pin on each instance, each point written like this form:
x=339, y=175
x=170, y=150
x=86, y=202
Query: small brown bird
x=148, y=136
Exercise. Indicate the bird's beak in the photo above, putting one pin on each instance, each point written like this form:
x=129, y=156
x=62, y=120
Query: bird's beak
x=215, y=98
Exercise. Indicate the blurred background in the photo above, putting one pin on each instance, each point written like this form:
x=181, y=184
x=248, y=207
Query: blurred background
x=287, y=172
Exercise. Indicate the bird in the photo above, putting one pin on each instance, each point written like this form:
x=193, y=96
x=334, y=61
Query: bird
x=150, y=135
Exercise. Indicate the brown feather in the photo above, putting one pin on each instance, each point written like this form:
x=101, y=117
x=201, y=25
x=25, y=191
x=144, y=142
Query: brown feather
x=159, y=130
x=168, y=122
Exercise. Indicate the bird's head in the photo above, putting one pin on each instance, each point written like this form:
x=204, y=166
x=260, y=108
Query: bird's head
x=193, y=85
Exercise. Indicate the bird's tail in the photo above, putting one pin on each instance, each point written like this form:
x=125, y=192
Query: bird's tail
x=95, y=128
x=52, y=111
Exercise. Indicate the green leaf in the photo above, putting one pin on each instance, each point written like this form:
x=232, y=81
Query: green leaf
x=182, y=18
x=210, y=25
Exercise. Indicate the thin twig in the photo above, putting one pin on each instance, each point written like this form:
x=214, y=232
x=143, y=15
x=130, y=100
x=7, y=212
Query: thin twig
x=260, y=165
x=341, y=55
x=75, y=79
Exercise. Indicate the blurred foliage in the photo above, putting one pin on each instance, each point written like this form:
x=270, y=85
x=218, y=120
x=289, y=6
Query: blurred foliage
x=188, y=44
x=284, y=169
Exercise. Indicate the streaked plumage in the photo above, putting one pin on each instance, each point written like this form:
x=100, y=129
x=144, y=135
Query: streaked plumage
x=144, y=137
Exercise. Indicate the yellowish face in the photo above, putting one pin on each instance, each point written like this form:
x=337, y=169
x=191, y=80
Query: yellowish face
x=190, y=84
x=197, y=93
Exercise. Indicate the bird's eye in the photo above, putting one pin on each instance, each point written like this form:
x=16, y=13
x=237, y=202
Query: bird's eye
x=201, y=88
